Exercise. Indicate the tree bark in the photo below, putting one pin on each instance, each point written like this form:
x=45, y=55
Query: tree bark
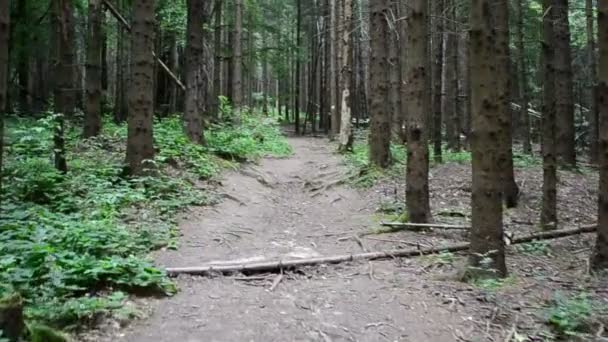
x=346, y=131
x=593, y=99
x=548, y=217
x=524, y=125
x=380, y=127
x=22, y=36
x=503, y=87
x=4, y=62
x=437, y=72
x=92, y=121
x=599, y=260
x=487, y=253
x=140, y=147
x=193, y=117
x=418, y=99
x=237, y=56
x=564, y=92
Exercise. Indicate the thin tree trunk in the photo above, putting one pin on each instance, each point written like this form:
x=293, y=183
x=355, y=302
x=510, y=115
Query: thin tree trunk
x=4, y=61
x=593, y=105
x=140, y=142
x=393, y=74
x=346, y=131
x=548, y=217
x=450, y=111
x=523, y=80
x=419, y=104
x=599, y=260
x=335, y=123
x=564, y=91
x=503, y=87
x=436, y=77
x=297, y=72
x=339, y=48
x=217, y=68
x=92, y=123
x=174, y=64
x=237, y=58
x=193, y=117
x=380, y=124
x=487, y=252
x=23, y=57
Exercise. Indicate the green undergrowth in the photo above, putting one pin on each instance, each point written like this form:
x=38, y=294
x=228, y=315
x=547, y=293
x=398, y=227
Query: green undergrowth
x=364, y=175
x=577, y=314
x=75, y=245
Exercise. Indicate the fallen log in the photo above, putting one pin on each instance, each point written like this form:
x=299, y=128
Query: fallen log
x=424, y=225
x=276, y=266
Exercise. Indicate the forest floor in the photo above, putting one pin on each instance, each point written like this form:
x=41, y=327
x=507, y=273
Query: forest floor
x=300, y=207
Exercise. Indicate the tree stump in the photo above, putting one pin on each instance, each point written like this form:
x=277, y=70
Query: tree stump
x=11, y=317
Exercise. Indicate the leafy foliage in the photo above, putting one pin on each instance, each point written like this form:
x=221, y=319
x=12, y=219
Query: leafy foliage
x=74, y=244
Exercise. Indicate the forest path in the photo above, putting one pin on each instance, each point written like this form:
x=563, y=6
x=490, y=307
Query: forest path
x=293, y=208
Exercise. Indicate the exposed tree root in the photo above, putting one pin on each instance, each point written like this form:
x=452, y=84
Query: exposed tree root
x=277, y=266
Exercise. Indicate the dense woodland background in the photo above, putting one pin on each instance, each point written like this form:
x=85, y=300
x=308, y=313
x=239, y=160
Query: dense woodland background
x=113, y=109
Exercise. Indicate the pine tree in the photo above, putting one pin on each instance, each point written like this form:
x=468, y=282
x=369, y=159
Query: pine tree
x=418, y=106
x=140, y=146
x=487, y=253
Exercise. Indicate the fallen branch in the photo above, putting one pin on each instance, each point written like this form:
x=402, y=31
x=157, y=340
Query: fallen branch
x=424, y=225
x=208, y=270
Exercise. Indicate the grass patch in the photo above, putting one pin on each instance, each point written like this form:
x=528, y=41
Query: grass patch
x=574, y=315
x=494, y=284
x=74, y=245
x=365, y=175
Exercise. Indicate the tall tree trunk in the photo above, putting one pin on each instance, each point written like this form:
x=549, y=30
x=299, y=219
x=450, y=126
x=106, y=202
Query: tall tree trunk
x=217, y=68
x=326, y=98
x=265, y=77
x=92, y=121
x=237, y=56
x=22, y=36
x=174, y=65
x=503, y=87
x=487, y=253
x=599, y=260
x=524, y=125
x=297, y=107
x=564, y=92
x=380, y=127
x=193, y=117
x=64, y=73
x=548, y=217
x=335, y=125
x=593, y=105
x=450, y=111
x=346, y=131
x=140, y=142
x=436, y=77
x=339, y=25
x=393, y=74
x=4, y=61
x=419, y=104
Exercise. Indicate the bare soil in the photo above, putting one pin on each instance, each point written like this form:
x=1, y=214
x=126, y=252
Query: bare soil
x=300, y=207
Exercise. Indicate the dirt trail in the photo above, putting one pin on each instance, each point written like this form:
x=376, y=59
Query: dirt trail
x=294, y=208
